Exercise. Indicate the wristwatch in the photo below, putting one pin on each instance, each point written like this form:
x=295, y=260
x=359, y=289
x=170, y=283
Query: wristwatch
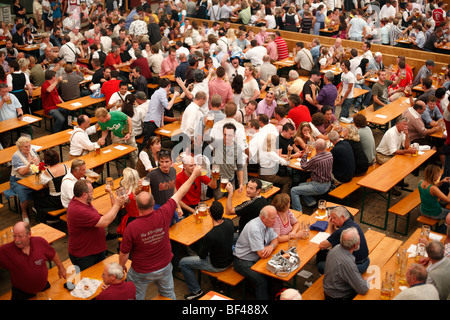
x=273, y=245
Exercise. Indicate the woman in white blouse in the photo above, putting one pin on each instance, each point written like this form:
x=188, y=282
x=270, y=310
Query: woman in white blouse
x=148, y=157
x=250, y=90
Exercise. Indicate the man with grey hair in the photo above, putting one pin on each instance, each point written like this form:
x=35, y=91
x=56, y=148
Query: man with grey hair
x=342, y=280
x=438, y=269
x=114, y=287
x=257, y=240
x=340, y=220
x=297, y=83
x=320, y=167
x=416, y=276
x=146, y=239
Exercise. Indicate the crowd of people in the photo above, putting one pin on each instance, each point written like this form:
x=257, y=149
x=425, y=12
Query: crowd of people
x=239, y=117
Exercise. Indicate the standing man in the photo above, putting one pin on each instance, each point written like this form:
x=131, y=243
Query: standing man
x=121, y=128
x=215, y=255
x=158, y=103
x=345, y=93
x=146, y=239
x=310, y=91
x=257, y=241
x=25, y=259
x=87, y=241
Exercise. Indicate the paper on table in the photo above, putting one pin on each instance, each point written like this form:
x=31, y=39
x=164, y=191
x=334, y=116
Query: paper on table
x=76, y=104
x=70, y=132
x=320, y=237
x=106, y=151
x=164, y=131
x=120, y=147
x=85, y=288
x=216, y=297
x=29, y=119
x=434, y=236
x=35, y=148
x=381, y=116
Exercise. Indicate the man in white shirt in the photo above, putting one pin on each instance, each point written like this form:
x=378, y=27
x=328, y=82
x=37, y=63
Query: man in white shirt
x=223, y=42
x=214, y=29
x=255, y=53
x=181, y=49
x=155, y=60
x=345, y=94
x=303, y=58
x=232, y=67
x=367, y=54
x=387, y=10
x=80, y=144
x=77, y=172
x=105, y=41
x=118, y=98
x=140, y=111
x=394, y=141
x=356, y=28
x=192, y=115
x=138, y=29
x=68, y=51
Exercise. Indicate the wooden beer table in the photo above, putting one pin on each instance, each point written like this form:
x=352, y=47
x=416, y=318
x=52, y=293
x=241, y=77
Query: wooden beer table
x=58, y=292
x=329, y=31
x=388, y=176
x=213, y=295
x=80, y=103
x=306, y=249
x=285, y=63
x=169, y=130
x=391, y=267
x=44, y=142
x=40, y=230
x=381, y=118
x=107, y=154
x=14, y=123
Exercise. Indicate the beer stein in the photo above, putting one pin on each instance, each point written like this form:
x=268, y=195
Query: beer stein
x=321, y=210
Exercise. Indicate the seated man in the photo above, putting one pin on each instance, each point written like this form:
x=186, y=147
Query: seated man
x=50, y=98
x=257, y=241
x=432, y=116
x=77, y=172
x=249, y=209
x=191, y=199
x=342, y=279
x=114, y=287
x=80, y=144
x=320, y=166
x=118, y=98
x=416, y=128
x=341, y=219
x=215, y=255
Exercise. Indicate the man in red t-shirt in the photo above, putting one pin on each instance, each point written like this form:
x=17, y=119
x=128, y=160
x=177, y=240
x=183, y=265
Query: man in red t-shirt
x=114, y=287
x=113, y=59
x=147, y=240
x=298, y=112
x=111, y=86
x=25, y=259
x=439, y=14
x=50, y=98
x=87, y=241
x=402, y=82
x=193, y=196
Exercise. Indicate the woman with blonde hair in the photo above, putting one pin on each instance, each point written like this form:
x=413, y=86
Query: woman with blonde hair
x=303, y=135
x=286, y=224
x=430, y=194
x=351, y=135
x=23, y=161
x=130, y=183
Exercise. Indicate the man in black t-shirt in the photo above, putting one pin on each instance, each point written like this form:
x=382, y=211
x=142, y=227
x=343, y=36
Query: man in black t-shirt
x=310, y=91
x=249, y=209
x=215, y=255
x=17, y=37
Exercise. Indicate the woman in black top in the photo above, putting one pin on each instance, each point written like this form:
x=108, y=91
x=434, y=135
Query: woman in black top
x=19, y=11
x=19, y=82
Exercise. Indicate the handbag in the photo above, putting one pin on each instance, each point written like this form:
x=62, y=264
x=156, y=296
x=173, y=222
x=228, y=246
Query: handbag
x=284, y=262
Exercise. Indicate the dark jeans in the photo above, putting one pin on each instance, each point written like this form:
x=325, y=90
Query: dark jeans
x=149, y=131
x=259, y=280
x=17, y=294
x=88, y=261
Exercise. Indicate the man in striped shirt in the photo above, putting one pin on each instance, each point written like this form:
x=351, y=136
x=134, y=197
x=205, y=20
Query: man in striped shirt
x=283, y=51
x=320, y=167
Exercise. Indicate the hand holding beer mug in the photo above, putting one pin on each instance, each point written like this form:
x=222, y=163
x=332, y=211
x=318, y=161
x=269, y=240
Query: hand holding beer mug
x=223, y=184
x=215, y=172
x=145, y=184
x=109, y=185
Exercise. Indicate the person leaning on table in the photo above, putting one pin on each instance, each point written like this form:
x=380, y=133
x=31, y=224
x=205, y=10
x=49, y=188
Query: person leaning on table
x=257, y=241
x=342, y=280
x=25, y=259
x=416, y=275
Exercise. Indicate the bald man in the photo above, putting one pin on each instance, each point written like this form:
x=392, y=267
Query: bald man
x=114, y=285
x=257, y=241
x=25, y=259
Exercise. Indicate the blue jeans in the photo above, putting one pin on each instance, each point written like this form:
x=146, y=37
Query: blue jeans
x=345, y=108
x=259, y=280
x=308, y=190
x=367, y=97
x=163, y=279
x=189, y=265
x=60, y=117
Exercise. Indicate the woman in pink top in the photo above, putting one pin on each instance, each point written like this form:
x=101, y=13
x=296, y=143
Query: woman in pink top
x=286, y=223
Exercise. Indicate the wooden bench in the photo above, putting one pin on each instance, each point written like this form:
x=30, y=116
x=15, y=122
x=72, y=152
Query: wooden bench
x=160, y=297
x=345, y=189
x=228, y=276
x=404, y=207
x=315, y=292
x=41, y=113
x=428, y=221
x=6, y=186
